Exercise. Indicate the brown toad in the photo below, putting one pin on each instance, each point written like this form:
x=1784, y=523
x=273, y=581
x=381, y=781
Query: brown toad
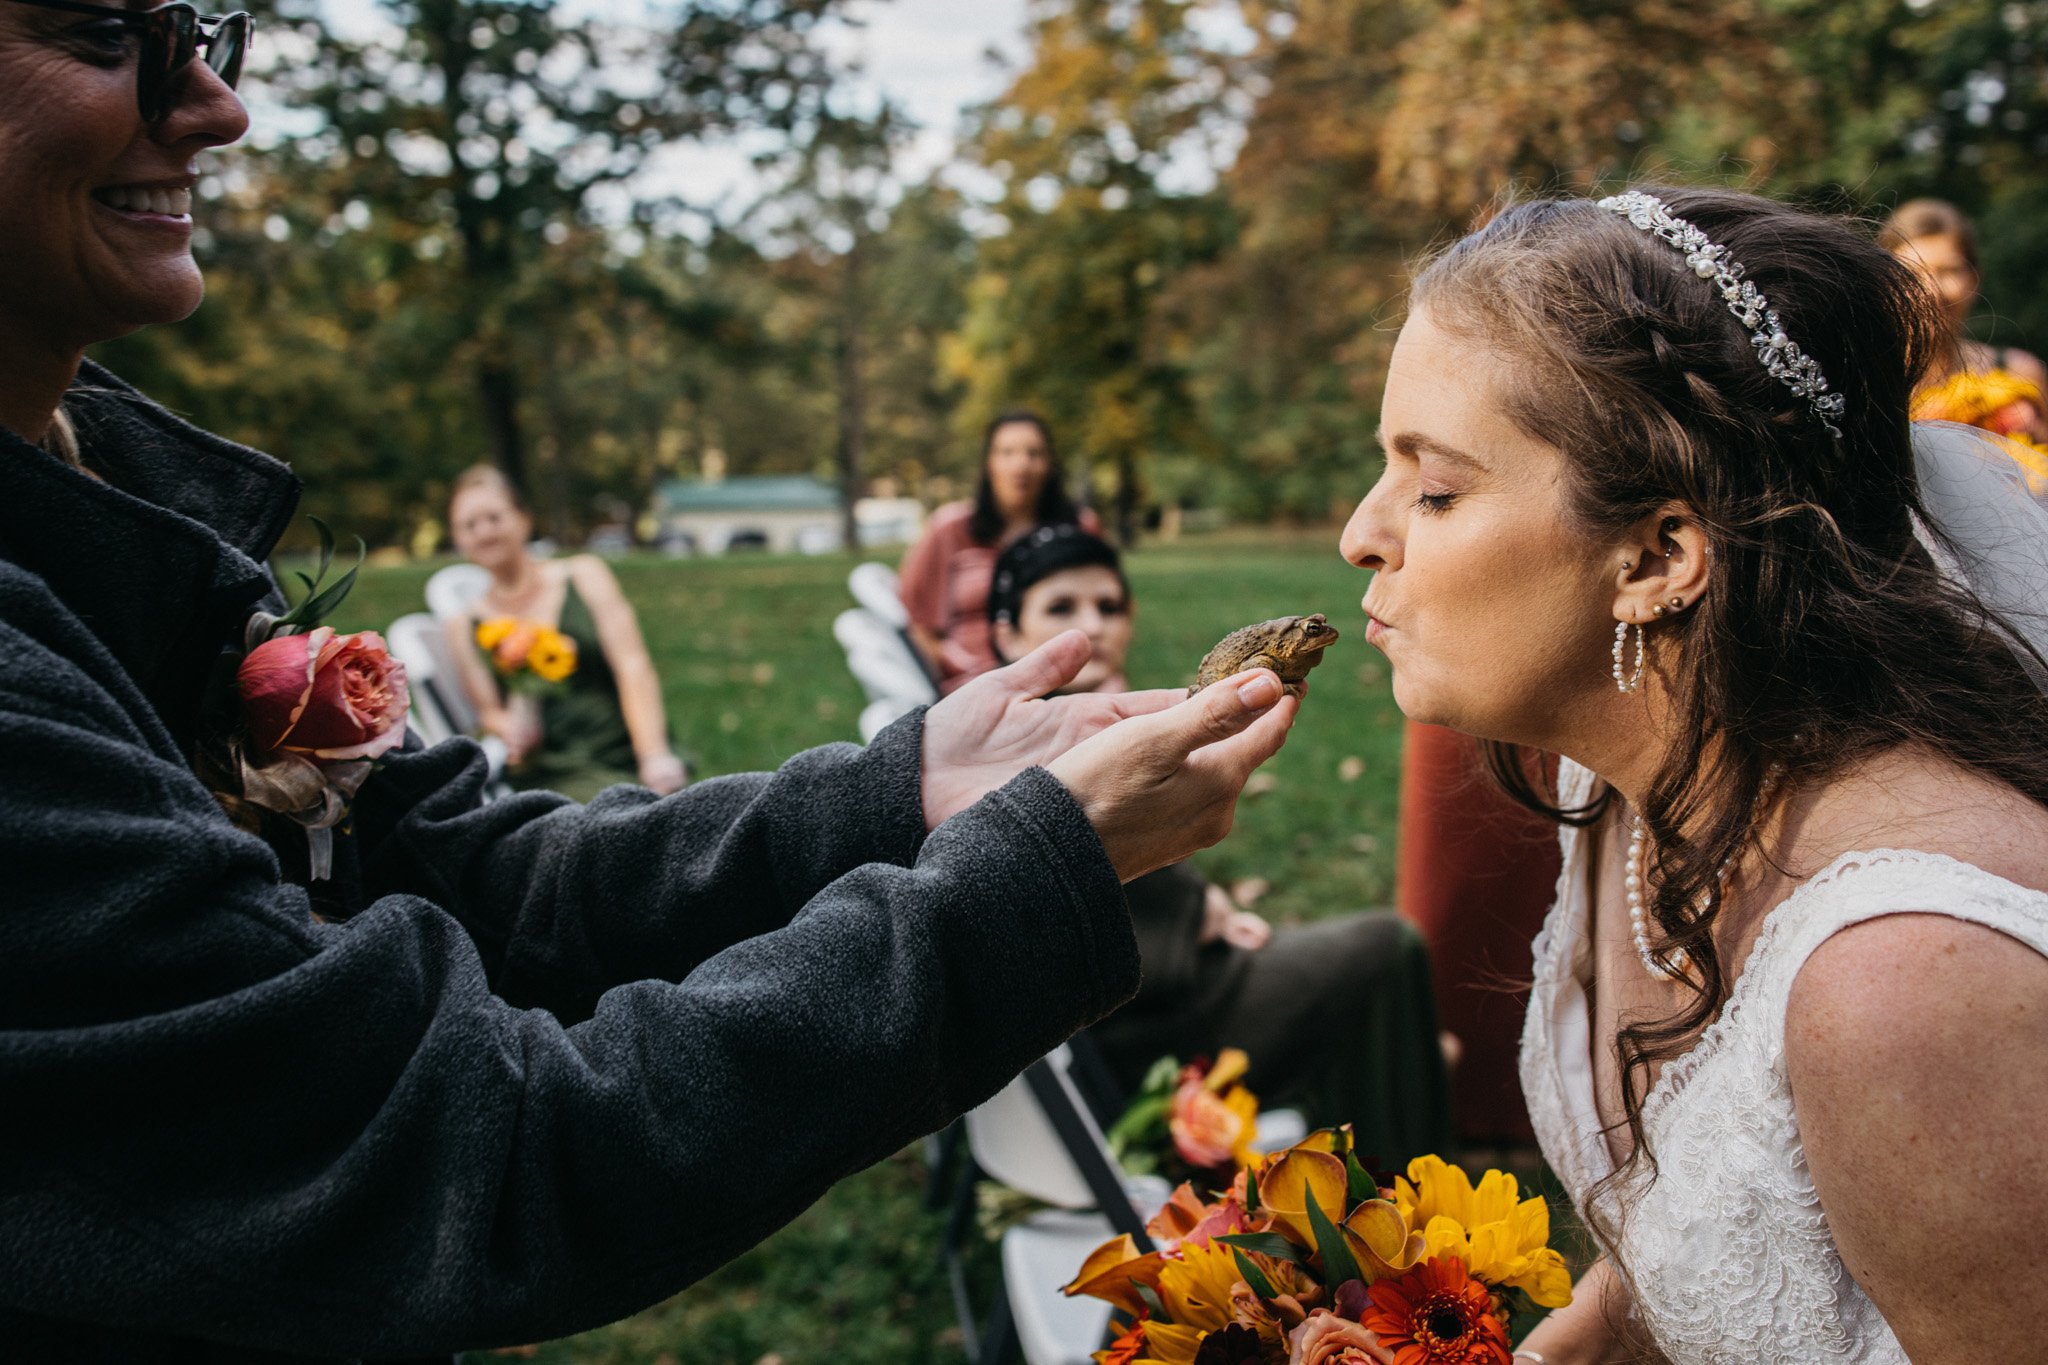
x=1289, y=645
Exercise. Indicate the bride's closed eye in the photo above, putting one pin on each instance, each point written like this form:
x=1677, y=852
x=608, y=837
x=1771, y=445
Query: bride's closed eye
x=1433, y=503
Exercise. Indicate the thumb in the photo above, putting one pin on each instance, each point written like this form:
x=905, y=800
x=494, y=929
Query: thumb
x=1215, y=713
x=1049, y=667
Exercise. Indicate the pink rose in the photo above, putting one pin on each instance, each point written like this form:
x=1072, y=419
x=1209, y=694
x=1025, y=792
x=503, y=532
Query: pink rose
x=1326, y=1339
x=324, y=696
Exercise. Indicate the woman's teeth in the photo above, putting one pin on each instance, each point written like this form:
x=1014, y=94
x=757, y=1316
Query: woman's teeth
x=141, y=199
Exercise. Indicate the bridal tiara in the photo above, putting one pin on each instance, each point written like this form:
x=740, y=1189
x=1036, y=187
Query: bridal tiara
x=1789, y=365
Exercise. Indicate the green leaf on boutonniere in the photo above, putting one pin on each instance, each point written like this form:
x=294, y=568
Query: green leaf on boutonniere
x=318, y=604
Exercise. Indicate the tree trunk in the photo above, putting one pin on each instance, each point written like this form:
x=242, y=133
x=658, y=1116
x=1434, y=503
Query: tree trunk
x=852, y=394
x=1126, y=499
x=497, y=386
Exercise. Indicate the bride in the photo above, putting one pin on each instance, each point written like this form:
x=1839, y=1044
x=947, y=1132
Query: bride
x=1652, y=502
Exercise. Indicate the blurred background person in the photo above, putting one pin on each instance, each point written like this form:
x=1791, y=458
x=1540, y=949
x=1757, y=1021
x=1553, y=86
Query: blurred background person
x=945, y=575
x=1216, y=975
x=1996, y=387
x=574, y=721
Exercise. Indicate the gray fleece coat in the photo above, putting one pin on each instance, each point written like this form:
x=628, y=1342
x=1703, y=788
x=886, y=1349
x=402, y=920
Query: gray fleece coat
x=555, y=1063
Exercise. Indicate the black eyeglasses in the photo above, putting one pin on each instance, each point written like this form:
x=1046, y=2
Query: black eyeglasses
x=171, y=36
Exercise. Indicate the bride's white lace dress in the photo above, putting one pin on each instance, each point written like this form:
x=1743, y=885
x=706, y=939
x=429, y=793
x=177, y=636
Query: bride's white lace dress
x=1728, y=1251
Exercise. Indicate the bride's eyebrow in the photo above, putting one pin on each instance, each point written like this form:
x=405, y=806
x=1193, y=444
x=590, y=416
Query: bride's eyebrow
x=1414, y=445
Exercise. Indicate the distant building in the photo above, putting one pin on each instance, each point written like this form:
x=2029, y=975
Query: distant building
x=780, y=512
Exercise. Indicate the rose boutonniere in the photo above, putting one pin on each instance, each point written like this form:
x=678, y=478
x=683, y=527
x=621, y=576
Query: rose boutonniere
x=317, y=709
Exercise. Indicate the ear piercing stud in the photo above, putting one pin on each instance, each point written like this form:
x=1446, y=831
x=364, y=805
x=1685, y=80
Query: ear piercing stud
x=1677, y=603
x=1659, y=610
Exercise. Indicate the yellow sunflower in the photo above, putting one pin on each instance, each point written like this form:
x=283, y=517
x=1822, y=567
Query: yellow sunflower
x=1500, y=1236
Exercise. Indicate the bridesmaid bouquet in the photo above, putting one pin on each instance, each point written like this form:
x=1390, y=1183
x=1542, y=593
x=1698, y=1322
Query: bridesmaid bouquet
x=528, y=657
x=1997, y=401
x=1311, y=1259
x=1189, y=1122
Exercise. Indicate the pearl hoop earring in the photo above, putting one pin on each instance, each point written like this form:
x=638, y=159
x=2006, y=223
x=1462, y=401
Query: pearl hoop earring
x=1627, y=684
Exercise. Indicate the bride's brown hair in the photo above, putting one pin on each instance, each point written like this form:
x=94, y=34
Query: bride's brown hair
x=1826, y=634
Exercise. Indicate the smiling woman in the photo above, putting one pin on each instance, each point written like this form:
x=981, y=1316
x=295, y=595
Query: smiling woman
x=97, y=238
x=310, y=1054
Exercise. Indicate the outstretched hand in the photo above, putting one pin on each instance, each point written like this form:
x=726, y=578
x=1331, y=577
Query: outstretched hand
x=1006, y=721
x=1161, y=786
x=1156, y=773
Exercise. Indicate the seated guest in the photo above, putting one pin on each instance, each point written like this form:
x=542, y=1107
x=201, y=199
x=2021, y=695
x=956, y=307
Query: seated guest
x=1996, y=387
x=945, y=574
x=576, y=717
x=1336, y=1016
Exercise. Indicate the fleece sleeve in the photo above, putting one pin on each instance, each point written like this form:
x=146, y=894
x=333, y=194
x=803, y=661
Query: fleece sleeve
x=565, y=901
x=229, y=1121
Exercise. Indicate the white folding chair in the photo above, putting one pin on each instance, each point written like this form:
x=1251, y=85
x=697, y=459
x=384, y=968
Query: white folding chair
x=453, y=590
x=874, y=586
x=885, y=666
x=1039, y=1136
x=440, y=708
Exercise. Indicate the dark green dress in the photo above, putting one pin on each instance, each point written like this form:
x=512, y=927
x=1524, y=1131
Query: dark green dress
x=1338, y=1017
x=584, y=744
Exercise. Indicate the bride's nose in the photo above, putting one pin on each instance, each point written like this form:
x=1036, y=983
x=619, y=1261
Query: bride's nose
x=1371, y=539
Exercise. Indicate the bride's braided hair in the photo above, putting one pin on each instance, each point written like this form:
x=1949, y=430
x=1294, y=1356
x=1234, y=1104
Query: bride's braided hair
x=1826, y=634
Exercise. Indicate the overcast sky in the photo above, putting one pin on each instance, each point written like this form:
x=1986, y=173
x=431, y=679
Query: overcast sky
x=930, y=56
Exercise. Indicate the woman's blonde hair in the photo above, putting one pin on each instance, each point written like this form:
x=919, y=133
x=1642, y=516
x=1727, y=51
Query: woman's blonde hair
x=61, y=439
x=485, y=476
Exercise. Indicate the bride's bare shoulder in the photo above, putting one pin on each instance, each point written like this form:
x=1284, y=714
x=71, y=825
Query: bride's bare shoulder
x=1916, y=1046
x=1913, y=798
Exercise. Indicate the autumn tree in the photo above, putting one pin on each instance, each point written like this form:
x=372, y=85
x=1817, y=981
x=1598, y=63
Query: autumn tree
x=1062, y=308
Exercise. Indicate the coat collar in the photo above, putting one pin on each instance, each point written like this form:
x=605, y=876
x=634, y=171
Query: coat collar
x=162, y=559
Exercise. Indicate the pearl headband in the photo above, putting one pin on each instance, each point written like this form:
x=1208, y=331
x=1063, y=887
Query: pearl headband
x=1789, y=365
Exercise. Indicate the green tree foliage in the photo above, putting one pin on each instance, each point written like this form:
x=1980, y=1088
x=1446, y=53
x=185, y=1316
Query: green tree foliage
x=445, y=246
x=1062, y=310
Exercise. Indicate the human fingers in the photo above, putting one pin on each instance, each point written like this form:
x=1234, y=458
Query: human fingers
x=1128, y=704
x=1236, y=757
x=1212, y=716
x=1248, y=931
x=1044, y=670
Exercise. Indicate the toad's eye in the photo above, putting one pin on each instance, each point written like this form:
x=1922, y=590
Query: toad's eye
x=1311, y=629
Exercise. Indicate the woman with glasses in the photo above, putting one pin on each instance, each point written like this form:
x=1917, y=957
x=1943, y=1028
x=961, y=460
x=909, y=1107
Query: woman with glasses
x=533, y=1065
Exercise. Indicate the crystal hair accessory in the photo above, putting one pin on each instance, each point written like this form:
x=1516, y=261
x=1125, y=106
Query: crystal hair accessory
x=1789, y=365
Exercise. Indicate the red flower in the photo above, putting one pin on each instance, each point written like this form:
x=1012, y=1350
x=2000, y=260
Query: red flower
x=1126, y=1348
x=1437, y=1314
x=323, y=696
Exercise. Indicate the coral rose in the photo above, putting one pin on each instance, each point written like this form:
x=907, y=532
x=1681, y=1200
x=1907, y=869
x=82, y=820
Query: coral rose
x=1326, y=1339
x=323, y=696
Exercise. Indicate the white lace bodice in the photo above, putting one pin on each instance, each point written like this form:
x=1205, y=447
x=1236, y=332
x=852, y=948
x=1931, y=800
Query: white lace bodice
x=1728, y=1250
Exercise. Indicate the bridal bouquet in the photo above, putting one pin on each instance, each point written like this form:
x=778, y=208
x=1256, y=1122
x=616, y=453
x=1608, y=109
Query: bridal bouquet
x=1189, y=1122
x=527, y=656
x=1311, y=1259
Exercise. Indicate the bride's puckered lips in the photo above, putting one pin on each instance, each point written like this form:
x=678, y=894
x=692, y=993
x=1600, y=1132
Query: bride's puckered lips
x=1376, y=626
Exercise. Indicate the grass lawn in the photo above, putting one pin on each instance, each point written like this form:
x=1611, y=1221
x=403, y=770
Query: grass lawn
x=752, y=674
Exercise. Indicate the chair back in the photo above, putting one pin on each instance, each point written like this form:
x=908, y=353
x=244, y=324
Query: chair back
x=453, y=590
x=882, y=661
x=440, y=709
x=1037, y=1136
x=874, y=586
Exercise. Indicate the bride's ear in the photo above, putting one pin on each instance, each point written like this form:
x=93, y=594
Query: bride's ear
x=1661, y=567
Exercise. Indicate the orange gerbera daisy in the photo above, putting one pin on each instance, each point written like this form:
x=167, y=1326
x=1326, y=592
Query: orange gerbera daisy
x=1126, y=1348
x=1436, y=1314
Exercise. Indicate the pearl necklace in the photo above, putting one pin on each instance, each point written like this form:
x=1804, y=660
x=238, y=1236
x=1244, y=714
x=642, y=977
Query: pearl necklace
x=1633, y=881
